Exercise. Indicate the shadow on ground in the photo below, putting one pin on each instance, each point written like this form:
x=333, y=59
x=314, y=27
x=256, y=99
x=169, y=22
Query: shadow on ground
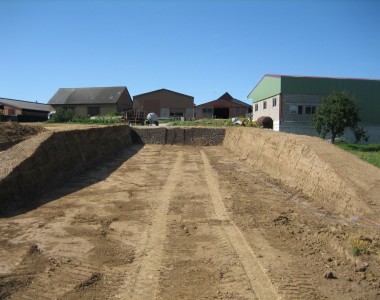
x=102, y=170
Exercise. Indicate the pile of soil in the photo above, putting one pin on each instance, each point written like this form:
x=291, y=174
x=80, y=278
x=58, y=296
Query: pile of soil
x=12, y=133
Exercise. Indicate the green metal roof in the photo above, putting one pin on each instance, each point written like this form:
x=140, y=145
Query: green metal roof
x=268, y=86
x=366, y=91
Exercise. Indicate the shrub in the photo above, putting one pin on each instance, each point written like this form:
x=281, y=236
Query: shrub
x=359, y=246
x=62, y=115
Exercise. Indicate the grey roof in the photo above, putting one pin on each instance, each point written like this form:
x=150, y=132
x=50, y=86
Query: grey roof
x=98, y=95
x=160, y=90
x=227, y=97
x=21, y=104
x=241, y=102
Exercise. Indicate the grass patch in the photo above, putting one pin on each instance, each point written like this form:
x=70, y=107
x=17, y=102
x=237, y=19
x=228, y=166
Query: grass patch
x=358, y=246
x=212, y=122
x=200, y=122
x=369, y=153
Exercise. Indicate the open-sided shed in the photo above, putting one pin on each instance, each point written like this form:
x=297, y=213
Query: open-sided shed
x=223, y=108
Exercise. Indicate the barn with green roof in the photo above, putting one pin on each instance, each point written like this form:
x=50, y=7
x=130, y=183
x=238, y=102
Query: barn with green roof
x=291, y=101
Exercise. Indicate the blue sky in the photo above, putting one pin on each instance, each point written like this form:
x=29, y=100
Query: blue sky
x=200, y=48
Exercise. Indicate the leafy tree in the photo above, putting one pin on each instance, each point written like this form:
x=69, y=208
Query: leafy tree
x=338, y=111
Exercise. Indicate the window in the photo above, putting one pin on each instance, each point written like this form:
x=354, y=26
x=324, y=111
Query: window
x=11, y=112
x=265, y=105
x=93, y=111
x=256, y=106
x=207, y=110
x=295, y=109
x=309, y=110
x=300, y=109
x=274, y=102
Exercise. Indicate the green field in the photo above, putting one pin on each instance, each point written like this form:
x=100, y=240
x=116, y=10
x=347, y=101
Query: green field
x=369, y=153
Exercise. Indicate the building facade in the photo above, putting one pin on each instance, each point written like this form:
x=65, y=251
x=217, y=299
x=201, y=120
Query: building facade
x=165, y=103
x=223, y=108
x=291, y=101
x=96, y=101
x=23, y=111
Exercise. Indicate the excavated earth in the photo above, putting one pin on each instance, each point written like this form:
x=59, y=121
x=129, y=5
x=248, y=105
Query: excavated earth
x=186, y=213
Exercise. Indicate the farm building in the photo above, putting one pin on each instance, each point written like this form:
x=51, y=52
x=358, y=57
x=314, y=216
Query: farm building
x=92, y=101
x=223, y=108
x=23, y=111
x=165, y=103
x=291, y=101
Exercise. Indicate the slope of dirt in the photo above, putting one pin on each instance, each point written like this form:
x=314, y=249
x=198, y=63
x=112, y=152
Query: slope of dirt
x=177, y=222
x=12, y=133
x=333, y=178
x=51, y=158
x=266, y=216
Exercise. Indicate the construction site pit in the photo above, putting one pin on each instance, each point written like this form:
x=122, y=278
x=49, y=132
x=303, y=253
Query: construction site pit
x=119, y=212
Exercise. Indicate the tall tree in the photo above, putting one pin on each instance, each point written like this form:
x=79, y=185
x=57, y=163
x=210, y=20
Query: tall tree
x=337, y=112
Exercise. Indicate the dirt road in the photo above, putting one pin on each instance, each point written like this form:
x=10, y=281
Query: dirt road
x=175, y=222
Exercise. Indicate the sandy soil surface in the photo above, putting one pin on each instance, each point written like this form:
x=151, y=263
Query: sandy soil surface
x=12, y=133
x=66, y=126
x=176, y=222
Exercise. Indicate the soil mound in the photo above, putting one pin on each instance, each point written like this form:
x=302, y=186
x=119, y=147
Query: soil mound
x=12, y=133
x=333, y=178
x=52, y=158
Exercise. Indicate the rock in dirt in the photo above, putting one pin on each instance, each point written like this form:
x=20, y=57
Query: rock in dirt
x=34, y=249
x=95, y=277
x=330, y=275
x=281, y=219
x=361, y=267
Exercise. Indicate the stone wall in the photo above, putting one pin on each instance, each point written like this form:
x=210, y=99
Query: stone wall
x=192, y=136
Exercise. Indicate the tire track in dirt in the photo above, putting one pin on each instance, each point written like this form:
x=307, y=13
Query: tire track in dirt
x=198, y=260
x=258, y=278
x=145, y=286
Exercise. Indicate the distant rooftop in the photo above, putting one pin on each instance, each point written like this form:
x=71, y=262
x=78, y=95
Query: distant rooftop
x=22, y=104
x=94, y=95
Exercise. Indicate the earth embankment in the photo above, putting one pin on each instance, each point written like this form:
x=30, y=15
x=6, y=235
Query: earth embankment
x=313, y=168
x=309, y=166
x=170, y=221
x=52, y=158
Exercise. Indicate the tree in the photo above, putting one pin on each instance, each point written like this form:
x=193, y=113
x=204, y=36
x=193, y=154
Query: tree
x=337, y=112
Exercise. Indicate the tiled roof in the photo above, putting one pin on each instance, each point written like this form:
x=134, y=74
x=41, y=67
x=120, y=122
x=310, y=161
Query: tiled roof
x=98, y=95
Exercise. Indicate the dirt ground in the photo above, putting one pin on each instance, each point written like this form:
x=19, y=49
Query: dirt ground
x=13, y=132
x=176, y=222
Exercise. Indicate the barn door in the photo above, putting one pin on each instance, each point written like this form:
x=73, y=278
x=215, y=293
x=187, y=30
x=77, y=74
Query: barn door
x=165, y=112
